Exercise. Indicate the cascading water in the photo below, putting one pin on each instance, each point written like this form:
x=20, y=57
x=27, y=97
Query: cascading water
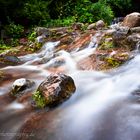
x=104, y=106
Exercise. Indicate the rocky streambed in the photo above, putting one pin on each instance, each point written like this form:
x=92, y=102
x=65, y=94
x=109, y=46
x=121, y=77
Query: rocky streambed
x=81, y=85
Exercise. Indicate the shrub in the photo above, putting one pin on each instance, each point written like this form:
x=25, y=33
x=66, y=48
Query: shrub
x=36, y=11
x=13, y=30
x=32, y=36
x=120, y=7
x=59, y=22
x=91, y=12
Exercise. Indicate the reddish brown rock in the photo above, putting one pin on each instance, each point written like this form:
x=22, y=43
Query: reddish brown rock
x=132, y=20
x=54, y=90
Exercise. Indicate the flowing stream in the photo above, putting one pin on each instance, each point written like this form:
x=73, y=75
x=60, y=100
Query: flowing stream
x=105, y=106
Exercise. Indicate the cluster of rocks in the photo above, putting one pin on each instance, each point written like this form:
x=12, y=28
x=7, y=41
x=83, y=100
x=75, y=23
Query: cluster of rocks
x=55, y=89
x=128, y=33
x=59, y=87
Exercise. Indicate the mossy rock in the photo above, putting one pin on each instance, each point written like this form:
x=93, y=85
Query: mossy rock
x=54, y=90
x=112, y=62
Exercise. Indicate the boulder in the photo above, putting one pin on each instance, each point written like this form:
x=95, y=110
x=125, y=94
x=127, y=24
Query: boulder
x=54, y=90
x=77, y=26
x=20, y=86
x=124, y=37
x=9, y=59
x=132, y=20
x=100, y=24
x=91, y=26
x=41, y=31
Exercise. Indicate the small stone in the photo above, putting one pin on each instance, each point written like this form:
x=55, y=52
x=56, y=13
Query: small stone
x=100, y=24
x=91, y=26
x=77, y=26
x=20, y=85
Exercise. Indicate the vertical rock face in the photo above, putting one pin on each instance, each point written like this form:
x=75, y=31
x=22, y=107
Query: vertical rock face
x=54, y=90
x=132, y=20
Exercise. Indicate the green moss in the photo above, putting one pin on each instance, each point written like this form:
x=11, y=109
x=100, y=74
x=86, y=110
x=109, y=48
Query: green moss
x=39, y=99
x=106, y=45
x=112, y=62
x=35, y=47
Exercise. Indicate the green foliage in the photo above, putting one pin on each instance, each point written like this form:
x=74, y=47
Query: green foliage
x=60, y=22
x=34, y=46
x=66, y=9
x=118, y=3
x=4, y=47
x=102, y=11
x=83, y=12
x=14, y=31
x=39, y=99
x=39, y=11
x=36, y=11
x=32, y=36
x=118, y=6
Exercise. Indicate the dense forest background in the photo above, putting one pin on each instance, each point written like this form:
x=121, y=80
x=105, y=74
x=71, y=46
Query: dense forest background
x=18, y=16
x=43, y=12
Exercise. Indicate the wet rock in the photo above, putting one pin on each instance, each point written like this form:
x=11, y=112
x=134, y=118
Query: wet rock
x=40, y=39
x=124, y=37
x=133, y=39
x=41, y=31
x=117, y=20
x=21, y=85
x=91, y=26
x=23, y=41
x=110, y=32
x=77, y=26
x=132, y=20
x=120, y=37
x=9, y=60
x=121, y=57
x=100, y=24
x=136, y=92
x=135, y=30
x=106, y=43
x=54, y=90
